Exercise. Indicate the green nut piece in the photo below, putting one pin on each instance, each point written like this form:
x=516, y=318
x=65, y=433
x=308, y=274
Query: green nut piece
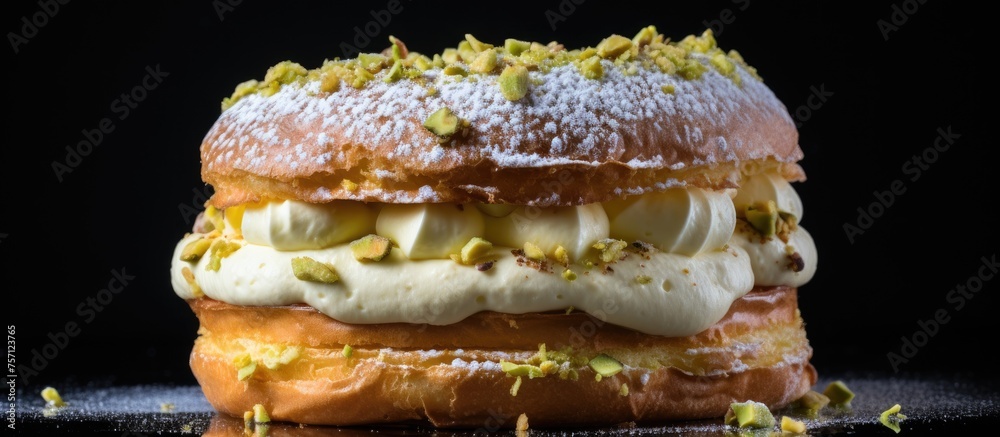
x=811, y=403
x=623, y=391
x=284, y=72
x=220, y=249
x=330, y=83
x=194, y=250
x=792, y=426
x=348, y=351
x=669, y=89
x=699, y=44
x=242, y=90
x=465, y=52
x=442, y=123
x=395, y=73
x=308, y=269
x=477, y=45
x=245, y=372
x=517, y=386
x=692, y=70
x=591, y=68
x=521, y=370
x=839, y=394
x=722, y=63
x=569, y=275
x=610, y=249
x=645, y=36
x=561, y=255
x=485, y=62
x=371, y=247
x=373, y=62
x=643, y=279
x=613, y=46
x=454, y=70
x=532, y=251
x=763, y=216
x=423, y=63
x=891, y=418
x=361, y=78
x=52, y=397
x=248, y=422
x=475, y=249
x=260, y=414
x=450, y=56
x=514, y=82
x=749, y=414
x=515, y=47
x=605, y=365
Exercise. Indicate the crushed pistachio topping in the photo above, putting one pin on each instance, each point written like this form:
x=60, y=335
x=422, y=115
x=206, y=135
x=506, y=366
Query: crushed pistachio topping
x=605, y=365
x=442, y=123
x=348, y=351
x=793, y=426
x=891, y=418
x=349, y=185
x=167, y=407
x=189, y=278
x=839, y=394
x=561, y=255
x=260, y=414
x=371, y=247
x=474, y=250
x=308, y=269
x=215, y=218
x=532, y=251
x=220, y=249
x=643, y=279
x=514, y=82
x=669, y=89
x=688, y=59
x=763, y=216
x=749, y=414
x=623, y=391
x=569, y=275
x=248, y=421
x=810, y=403
x=611, y=249
x=194, y=250
x=522, y=423
x=517, y=386
x=52, y=397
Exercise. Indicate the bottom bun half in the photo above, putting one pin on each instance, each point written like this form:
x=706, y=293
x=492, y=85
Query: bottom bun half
x=451, y=375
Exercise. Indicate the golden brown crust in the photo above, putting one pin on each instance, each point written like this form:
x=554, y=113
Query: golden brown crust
x=424, y=376
x=571, y=141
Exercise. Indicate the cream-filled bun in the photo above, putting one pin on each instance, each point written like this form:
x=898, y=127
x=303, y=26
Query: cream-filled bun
x=588, y=236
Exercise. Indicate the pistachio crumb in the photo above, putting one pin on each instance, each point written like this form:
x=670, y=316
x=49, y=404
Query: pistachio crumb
x=248, y=421
x=569, y=310
x=221, y=248
x=514, y=388
x=196, y=290
x=167, y=407
x=793, y=426
x=330, y=83
x=561, y=255
x=194, y=250
x=349, y=185
x=605, y=365
x=763, y=217
x=613, y=46
x=643, y=279
x=454, y=70
x=371, y=247
x=891, y=418
x=474, y=250
x=308, y=269
x=569, y=275
x=749, y=414
x=669, y=89
x=610, y=249
x=395, y=73
x=839, y=394
x=484, y=63
x=591, y=68
x=515, y=47
x=514, y=82
x=532, y=251
x=522, y=424
x=348, y=351
x=624, y=390
x=477, y=45
x=260, y=414
x=442, y=123
x=52, y=397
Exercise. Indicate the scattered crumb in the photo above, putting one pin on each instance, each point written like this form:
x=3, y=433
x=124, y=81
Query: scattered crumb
x=522, y=425
x=167, y=407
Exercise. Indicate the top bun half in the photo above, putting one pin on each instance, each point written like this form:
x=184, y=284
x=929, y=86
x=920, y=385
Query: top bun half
x=521, y=123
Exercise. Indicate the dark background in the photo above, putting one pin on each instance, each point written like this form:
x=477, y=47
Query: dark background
x=122, y=206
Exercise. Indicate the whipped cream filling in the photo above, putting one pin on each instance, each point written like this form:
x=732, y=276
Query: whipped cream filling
x=701, y=259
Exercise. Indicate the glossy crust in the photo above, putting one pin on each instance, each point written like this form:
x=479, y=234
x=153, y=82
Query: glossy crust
x=448, y=375
x=570, y=141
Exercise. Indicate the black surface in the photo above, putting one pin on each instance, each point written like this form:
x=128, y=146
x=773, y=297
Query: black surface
x=933, y=405
x=123, y=207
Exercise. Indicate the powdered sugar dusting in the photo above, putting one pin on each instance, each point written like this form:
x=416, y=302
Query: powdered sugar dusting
x=579, y=121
